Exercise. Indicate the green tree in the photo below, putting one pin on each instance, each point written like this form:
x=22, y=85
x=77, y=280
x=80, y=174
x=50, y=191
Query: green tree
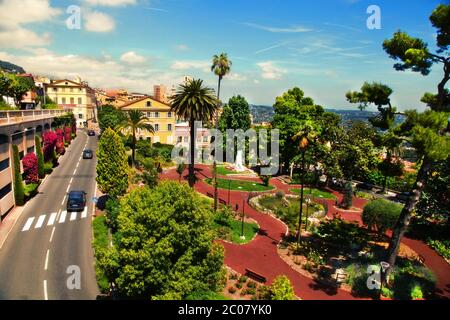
x=134, y=120
x=40, y=156
x=165, y=249
x=110, y=117
x=381, y=215
x=18, y=86
x=281, y=289
x=19, y=195
x=413, y=53
x=221, y=66
x=194, y=102
x=235, y=115
x=112, y=164
x=180, y=169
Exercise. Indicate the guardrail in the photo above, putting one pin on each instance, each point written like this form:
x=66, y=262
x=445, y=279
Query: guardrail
x=18, y=116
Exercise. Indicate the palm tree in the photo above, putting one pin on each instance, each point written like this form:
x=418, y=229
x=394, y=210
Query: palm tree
x=135, y=119
x=194, y=102
x=221, y=66
x=305, y=136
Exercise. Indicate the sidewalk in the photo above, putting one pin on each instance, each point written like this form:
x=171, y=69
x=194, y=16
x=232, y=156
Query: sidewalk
x=8, y=223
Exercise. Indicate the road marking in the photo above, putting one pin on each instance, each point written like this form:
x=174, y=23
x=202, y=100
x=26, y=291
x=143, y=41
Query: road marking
x=52, y=218
x=46, y=259
x=71, y=179
x=73, y=216
x=74, y=171
x=51, y=236
x=68, y=187
x=45, y=290
x=62, y=218
x=28, y=224
x=40, y=222
x=84, y=213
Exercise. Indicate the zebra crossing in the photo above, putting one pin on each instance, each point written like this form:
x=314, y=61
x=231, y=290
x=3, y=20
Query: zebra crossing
x=52, y=219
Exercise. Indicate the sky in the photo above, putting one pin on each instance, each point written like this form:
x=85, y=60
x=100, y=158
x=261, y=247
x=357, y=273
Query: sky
x=322, y=46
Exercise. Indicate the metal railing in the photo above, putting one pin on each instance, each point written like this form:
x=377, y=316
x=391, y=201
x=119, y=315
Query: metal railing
x=18, y=116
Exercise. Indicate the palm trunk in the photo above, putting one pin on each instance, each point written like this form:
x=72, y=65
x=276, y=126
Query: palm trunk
x=133, y=150
x=192, y=153
x=441, y=87
x=301, y=201
x=216, y=125
x=405, y=216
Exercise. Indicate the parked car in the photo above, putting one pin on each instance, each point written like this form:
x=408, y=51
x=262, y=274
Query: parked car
x=76, y=201
x=91, y=133
x=365, y=186
x=87, y=154
x=403, y=197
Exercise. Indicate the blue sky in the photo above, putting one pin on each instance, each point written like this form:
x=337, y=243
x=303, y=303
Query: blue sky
x=321, y=46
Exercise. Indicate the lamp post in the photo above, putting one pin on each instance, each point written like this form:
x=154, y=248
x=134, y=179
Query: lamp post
x=384, y=267
x=308, y=201
x=243, y=215
x=229, y=188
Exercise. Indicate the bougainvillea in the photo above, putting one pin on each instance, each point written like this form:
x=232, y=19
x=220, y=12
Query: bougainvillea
x=67, y=134
x=60, y=134
x=60, y=149
x=50, y=139
x=30, y=168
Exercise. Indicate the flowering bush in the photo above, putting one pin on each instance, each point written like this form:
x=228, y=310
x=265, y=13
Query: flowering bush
x=60, y=149
x=30, y=168
x=60, y=134
x=67, y=134
x=50, y=139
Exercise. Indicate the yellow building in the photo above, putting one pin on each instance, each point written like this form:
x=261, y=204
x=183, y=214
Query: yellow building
x=160, y=116
x=75, y=95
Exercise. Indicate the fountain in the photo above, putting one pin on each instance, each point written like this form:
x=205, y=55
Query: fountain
x=238, y=165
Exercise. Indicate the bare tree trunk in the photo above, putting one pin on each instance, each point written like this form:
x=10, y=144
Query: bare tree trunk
x=441, y=87
x=215, y=163
x=405, y=216
x=192, y=153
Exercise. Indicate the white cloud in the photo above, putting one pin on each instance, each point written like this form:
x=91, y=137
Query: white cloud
x=233, y=76
x=99, y=22
x=15, y=14
x=270, y=71
x=293, y=29
x=110, y=3
x=182, y=47
x=191, y=64
x=132, y=57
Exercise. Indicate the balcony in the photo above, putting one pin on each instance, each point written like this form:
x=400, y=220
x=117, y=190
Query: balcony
x=18, y=116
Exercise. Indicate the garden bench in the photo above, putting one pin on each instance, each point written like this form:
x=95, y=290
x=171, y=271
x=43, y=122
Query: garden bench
x=340, y=276
x=255, y=276
x=209, y=194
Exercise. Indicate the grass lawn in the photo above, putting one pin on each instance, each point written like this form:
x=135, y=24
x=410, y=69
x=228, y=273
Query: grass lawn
x=222, y=170
x=233, y=230
x=315, y=192
x=271, y=203
x=100, y=242
x=241, y=185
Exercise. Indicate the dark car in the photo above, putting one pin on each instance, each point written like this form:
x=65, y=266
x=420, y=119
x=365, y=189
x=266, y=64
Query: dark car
x=87, y=154
x=403, y=197
x=91, y=133
x=76, y=201
x=365, y=186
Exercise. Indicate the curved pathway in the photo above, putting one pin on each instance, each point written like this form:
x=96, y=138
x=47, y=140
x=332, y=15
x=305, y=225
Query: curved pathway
x=260, y=255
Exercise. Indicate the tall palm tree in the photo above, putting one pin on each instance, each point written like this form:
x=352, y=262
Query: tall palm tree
x=305, y=136
x=194, y=102
x=135, y=119
x=221, y=66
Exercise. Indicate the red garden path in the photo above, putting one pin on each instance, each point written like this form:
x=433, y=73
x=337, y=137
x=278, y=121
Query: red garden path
x=260, y=255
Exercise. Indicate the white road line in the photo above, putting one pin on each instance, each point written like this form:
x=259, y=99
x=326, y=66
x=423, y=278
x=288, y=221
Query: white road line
x=51, y=236
x=73, y=215
x=46, y=259
x=74, y=171
x=40, y=221
x=68, y=187
x=71, y=179
x=52, y=218
x=45, y=290
x=28, y=224
x=62, y=218
x=84, y=213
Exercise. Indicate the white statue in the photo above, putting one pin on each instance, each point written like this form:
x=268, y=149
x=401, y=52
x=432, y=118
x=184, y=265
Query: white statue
x=239, y=166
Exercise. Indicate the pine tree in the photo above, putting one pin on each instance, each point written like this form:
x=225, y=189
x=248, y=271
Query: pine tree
x=18, y=182
x=40, y=156
x=112, y=165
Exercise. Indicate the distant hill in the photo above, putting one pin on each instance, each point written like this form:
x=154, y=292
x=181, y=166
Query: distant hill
x=11, y=67
x=262, y=113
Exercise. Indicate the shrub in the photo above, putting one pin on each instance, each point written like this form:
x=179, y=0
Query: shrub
x=19, y=195
x=380, y=215
x=30, y=190
x=30, y=168
x=281, y=289
x=239, y=285
x=416, y=292
x=40, y=157
x=441, y=247
x=233, y=276
x=347, y=200
x=243, y=279
x=280, y=194
x=180, y=169
x=340, y=232
x=265, y=180
x=60, y=148
x=232, y=290
x=386, y=292
x=251, y=291
x=67, y=134
x=48, y=167
x=50, y=139
x=251, y=284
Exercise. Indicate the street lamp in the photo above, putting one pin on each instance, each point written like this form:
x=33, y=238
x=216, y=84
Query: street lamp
x=308, y=201
x=243, y=215
x=384, y=268
x=229, y=188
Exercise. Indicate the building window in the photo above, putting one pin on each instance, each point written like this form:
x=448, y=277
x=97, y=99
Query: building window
x=169, y=114
x=169, y=127
x=55, y=89
x=71, y=89
x=30, y=149
x=72, y=100
x=156, y=114
x=5, y=190
x=149, y=139
x=149, y=114
x=4, y=164
x=149, y=103
x=80, y=101
x=156, y=127
x=63, y=89
x=80, y=116
x=63, y=100
x=179, y=139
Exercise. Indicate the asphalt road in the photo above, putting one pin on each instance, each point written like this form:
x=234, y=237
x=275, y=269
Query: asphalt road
x=47, y=247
